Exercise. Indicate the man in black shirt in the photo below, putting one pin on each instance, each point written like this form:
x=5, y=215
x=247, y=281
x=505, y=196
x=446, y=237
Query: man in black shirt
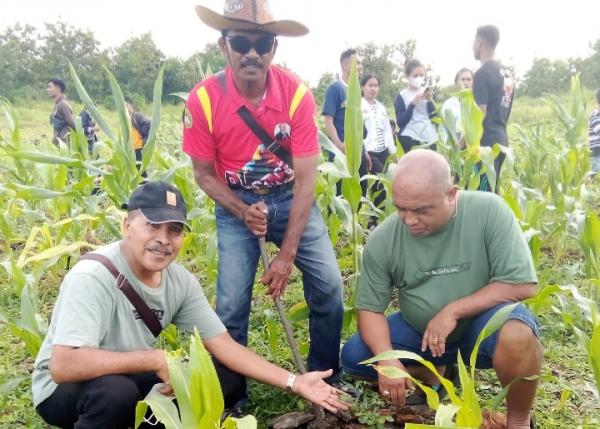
x=491, y=94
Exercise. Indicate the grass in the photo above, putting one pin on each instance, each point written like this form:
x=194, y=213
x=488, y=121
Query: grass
x=566, y=397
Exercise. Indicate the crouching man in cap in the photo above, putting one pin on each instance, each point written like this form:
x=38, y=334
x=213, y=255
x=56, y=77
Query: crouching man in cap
x=98, y=358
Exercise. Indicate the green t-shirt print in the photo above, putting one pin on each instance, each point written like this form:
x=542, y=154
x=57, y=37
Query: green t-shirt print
x=481, y=245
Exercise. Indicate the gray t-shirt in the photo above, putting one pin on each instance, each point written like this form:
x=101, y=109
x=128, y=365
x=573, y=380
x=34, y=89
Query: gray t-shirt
x=91, y=312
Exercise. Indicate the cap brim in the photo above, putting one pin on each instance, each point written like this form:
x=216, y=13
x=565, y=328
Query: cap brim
x=219, y=22
x=163, y=215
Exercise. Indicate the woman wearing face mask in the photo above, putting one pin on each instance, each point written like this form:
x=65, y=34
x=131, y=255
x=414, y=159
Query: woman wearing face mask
x=379, y=140
x=463, y=80
x=414, y=109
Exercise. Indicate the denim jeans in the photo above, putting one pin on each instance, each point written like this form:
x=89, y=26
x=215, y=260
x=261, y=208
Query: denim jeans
x=405, y=337
x=238, y=259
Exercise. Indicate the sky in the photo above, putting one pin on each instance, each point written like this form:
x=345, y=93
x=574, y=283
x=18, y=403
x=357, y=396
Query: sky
x=443, y=30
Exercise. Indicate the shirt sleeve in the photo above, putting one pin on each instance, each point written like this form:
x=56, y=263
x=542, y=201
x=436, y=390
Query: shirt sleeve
x=66, y=113
x=376, y=285
x=507, y=249
x=196, y=313
x=85, y=311
x=403, y=113
x=198, y=141
x=481, y=88
x=303, y=139
x=332, y=101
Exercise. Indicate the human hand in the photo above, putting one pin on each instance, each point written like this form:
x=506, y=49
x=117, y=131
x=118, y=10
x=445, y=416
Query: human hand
x=394, y=389
x=369, y=162
x=437, y=331
x=312, y=387
x=428, y=94
x=255, y=218
x=418, y=98
x=278, y=275
x=162, y=371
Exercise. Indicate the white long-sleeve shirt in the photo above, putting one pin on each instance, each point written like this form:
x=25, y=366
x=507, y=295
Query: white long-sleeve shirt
x=379, y=131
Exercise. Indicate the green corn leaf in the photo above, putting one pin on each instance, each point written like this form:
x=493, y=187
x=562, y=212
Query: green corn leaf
x=163, y=408
x=353, y=124
x=148, y=148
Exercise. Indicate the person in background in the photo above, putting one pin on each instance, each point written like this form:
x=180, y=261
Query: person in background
x=379, y=141
x=414, y=109
x=61, y=118
x=594, y=137
x=90, y=128
x=140, y=128
x=463, y=80
x=334, y=110
x=492, y=95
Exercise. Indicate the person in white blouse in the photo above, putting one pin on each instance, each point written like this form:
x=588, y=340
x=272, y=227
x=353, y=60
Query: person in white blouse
x=379, y=139
x=463, y=80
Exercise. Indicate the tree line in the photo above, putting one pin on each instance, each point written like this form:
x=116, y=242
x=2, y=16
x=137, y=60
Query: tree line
x=28, y=58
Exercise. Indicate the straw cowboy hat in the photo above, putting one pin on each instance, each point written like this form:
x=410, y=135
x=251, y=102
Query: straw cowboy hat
x=249, y=15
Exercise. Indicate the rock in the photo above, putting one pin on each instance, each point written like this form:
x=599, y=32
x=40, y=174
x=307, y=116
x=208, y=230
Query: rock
x=291, y=420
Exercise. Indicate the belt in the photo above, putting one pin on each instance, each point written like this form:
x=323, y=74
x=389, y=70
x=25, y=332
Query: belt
x=265, y=190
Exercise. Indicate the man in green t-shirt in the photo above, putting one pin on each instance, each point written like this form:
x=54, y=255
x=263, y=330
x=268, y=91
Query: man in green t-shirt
x=454, y=258
x=98, y=358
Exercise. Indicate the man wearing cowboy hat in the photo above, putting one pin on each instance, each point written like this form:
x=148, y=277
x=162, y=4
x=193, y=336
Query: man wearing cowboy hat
x=252, y=137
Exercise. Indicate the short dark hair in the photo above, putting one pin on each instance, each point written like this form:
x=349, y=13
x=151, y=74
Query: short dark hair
x=347, y=54
x=490, y=34
x=367, y=77
x=461, y=71
x=411, y=65
x=598, y=96
x=58, y=82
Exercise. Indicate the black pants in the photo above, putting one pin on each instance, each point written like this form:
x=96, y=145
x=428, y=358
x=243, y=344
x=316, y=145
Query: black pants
x=377, y=166
x=484, y=183
x=408, y=143
x=104, y=402
x=109, y=401
x=138, y=162
x=362, y=170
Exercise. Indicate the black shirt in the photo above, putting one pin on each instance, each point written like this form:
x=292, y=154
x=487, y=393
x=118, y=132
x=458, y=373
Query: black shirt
x=488, y=89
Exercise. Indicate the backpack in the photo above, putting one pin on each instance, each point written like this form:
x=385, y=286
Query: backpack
x=88, y=123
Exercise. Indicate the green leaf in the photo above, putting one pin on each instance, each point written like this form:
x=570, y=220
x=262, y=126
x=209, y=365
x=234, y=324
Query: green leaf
x=163, y=409
x=353, y=124
x=148, y=148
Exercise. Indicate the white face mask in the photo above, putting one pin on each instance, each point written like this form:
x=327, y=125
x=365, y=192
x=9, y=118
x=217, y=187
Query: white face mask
x=416, y=82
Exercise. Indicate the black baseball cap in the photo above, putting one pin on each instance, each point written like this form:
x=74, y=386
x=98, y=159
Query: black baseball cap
x=159, y=202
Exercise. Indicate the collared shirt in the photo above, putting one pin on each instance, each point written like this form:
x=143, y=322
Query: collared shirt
x=222, y=137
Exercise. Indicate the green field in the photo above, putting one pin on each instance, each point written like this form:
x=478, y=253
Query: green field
x=48, y=217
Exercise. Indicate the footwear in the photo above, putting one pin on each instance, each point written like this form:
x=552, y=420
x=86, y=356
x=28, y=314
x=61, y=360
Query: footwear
x=418, y=397
x=235, y=412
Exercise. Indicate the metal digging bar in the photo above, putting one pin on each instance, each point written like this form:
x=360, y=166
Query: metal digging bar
x=317, y=410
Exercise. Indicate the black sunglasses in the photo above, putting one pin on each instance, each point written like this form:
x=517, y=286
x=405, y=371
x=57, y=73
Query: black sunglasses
x=241, y=44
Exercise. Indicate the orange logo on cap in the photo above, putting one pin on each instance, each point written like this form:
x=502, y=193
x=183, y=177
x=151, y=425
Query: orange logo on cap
x=171, y=198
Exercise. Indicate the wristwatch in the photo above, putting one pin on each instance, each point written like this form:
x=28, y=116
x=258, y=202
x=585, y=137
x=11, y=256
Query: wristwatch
x=290, y=382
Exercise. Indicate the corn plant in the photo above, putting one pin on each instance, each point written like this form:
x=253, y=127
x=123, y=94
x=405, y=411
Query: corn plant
x=198, y=393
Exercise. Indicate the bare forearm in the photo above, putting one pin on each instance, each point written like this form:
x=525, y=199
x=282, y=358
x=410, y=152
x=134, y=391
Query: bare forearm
x=332, y=132
x=245, y=362
x=221, y=194
x=375, y=331
x=488, y=297
x=72, y=365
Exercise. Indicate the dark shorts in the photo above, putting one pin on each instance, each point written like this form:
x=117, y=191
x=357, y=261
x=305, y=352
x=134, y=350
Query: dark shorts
x=405, y=337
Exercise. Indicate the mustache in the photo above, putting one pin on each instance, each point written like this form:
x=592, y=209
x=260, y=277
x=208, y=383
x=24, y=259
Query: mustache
x=251, y=63
x=158, y=248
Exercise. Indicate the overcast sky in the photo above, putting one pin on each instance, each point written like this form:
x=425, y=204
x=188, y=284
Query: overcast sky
x=443, y=29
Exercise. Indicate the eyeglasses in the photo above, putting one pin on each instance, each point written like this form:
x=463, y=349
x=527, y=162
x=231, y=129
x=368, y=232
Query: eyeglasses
x=241, y=44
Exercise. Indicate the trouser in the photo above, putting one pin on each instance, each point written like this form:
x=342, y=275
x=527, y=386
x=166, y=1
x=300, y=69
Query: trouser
x=408, y=143
x=484, y=183
x=239, y=254
x=104, y=402
x=378, y=160
x=363, y=169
